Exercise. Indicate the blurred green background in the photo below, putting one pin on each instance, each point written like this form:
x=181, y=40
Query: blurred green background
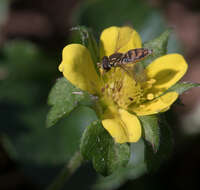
x=32, y=35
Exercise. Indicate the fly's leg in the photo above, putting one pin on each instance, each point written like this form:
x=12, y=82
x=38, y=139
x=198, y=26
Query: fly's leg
x=130, y=72
x=126, y=70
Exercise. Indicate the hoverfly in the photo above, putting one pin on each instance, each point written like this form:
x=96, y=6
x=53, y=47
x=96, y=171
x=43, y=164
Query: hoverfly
x=121, y=59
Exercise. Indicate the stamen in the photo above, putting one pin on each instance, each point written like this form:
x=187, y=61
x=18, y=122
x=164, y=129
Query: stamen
x=148, y=86
x=109, y=91
x=150, y=96
x=151, y=81
x=112, y=85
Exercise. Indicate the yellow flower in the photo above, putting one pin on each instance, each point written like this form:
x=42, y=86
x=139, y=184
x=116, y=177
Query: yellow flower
x=121, y=97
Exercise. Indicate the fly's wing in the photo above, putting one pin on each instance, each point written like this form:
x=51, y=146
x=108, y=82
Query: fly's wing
x=130, y=58
x=138, y=73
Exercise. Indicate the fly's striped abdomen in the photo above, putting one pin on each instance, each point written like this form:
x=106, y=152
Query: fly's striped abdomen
x=135, y=55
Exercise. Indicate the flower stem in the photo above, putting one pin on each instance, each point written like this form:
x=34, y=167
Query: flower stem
x=66, y=172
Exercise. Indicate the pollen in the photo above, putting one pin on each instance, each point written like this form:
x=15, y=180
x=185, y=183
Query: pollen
x=151, y=81
x=112, y=85
x=150, y=96
x=142, y=106
x=148, y=86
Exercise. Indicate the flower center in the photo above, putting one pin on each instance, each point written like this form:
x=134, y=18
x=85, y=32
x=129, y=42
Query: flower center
x=122, y=89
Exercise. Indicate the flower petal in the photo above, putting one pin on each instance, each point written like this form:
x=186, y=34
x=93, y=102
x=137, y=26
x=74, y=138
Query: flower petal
x=160, y=104
x=119, y=39
x=123, y=128
x=78, y=68
x=166, y=70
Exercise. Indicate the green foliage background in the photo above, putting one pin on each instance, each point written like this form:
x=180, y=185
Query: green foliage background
x=27, y=73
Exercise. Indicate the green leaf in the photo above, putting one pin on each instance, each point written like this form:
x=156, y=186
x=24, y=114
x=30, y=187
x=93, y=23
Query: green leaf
x=154, y=160
x=151, y=130
x=63, y=98
x=34, y=144
x=135, y=168
x=88, y=40
x=99, y=147
x=158, y=45
x=152, y=26
x=181, y=87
